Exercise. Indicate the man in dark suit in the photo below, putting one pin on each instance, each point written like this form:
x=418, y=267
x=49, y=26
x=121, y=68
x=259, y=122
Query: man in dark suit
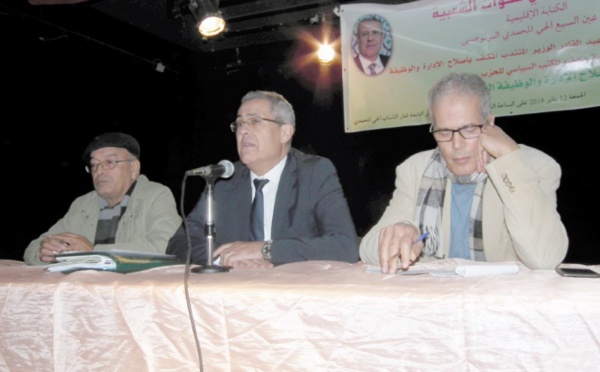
x=370, y=40
x=306, y=216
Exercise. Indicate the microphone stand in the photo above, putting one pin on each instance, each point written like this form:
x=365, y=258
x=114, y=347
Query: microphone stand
x=210, y=268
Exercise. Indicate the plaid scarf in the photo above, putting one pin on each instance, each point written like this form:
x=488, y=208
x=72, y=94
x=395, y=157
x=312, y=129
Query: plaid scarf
x=108, y=219
x=430, y=202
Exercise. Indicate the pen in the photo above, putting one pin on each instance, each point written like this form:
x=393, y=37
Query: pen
x=421, y=237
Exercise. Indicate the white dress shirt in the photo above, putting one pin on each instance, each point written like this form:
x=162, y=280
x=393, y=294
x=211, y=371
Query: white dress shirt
x=365, y=64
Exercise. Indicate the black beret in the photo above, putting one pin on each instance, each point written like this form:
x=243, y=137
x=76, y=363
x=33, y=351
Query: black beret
x=120, y=140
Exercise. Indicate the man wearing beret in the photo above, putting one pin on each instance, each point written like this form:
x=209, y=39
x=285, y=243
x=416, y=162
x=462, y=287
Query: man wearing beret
x=125, y=211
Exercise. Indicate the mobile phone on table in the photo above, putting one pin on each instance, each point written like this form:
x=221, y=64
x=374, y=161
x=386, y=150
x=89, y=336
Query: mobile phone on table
x=577, y=272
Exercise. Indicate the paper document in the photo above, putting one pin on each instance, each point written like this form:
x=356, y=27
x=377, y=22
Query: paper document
x=460, y=270
x=489, y=269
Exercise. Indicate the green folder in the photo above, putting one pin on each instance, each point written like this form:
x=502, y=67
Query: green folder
x=119, y=261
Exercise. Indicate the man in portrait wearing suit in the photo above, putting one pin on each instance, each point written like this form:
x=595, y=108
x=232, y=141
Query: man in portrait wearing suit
x=370, y=40
x=305, y=213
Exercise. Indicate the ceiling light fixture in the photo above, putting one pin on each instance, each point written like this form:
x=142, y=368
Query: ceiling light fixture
x=209, y=20
x=325, y=54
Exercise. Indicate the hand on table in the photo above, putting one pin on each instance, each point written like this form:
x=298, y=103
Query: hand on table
x=52, y=245
x=242, y=255
x=397, y=242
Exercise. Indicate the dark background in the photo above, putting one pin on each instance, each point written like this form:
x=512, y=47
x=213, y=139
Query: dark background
x=60, y=89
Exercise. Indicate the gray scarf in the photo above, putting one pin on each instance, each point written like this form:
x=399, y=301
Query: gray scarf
x=430, y=202
x=108, y=220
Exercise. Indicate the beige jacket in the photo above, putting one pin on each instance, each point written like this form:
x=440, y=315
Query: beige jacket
x=150, y=220
x=519, y=216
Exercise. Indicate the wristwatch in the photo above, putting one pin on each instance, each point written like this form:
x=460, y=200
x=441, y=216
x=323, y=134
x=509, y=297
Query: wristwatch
x=266, y=251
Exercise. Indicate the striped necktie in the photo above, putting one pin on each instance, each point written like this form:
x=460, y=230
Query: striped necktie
x=372, y=68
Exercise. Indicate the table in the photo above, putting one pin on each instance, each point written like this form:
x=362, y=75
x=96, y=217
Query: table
x=308, y=316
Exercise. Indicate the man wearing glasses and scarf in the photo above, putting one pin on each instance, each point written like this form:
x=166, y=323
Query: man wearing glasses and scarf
x=479, y=195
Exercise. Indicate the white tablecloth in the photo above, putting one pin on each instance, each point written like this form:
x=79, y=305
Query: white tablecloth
x=309, y=316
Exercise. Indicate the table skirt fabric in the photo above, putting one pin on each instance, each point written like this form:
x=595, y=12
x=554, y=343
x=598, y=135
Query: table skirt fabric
x=308, y=316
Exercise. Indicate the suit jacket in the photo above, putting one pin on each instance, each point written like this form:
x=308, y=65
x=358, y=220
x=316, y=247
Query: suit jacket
x=384, y=61
x=311, y=218
x=519, y=216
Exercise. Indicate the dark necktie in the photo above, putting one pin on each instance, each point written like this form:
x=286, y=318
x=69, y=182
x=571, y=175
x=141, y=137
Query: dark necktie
x=372, y=68
x=257, y=214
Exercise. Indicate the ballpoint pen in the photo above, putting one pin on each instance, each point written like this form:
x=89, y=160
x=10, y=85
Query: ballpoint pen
x=421, y=237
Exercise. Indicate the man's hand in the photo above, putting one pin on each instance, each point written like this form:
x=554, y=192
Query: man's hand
x=252, y=264
x=242, y=255
x=396, y=242
x=52, y=245
x=493, y=142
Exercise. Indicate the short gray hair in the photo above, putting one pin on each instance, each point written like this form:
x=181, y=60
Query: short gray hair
x=461, y=84
x=370, y=17
x=281, y=109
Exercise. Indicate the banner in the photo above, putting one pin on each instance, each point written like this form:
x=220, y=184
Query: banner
x=535, y=56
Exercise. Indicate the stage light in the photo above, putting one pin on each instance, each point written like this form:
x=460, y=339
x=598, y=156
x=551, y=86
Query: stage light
x=211, y=25
x=208, y=18
x=326, y=54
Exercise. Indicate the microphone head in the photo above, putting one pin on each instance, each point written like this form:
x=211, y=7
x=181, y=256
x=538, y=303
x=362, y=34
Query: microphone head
x=228, y=168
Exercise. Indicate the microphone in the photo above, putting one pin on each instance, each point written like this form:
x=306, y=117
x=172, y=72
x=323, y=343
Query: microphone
x=223, y=169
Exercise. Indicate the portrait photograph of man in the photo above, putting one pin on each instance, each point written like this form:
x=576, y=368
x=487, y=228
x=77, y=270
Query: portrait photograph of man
x=371, y=44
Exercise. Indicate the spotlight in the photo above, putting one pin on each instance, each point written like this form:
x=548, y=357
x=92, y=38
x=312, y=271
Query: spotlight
x=211, y=25
x=208, y=17
x=326, y=54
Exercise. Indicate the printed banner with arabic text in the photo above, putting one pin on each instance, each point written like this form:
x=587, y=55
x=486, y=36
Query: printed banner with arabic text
x=535, y=56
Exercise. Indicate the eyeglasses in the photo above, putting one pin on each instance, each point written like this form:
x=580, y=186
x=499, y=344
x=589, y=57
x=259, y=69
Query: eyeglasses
x=466, y=132
x=372, y=33
x=107, y=164
x=252, y=121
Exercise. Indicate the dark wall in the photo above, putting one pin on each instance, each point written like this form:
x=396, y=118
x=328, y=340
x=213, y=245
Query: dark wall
x=59, y=94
